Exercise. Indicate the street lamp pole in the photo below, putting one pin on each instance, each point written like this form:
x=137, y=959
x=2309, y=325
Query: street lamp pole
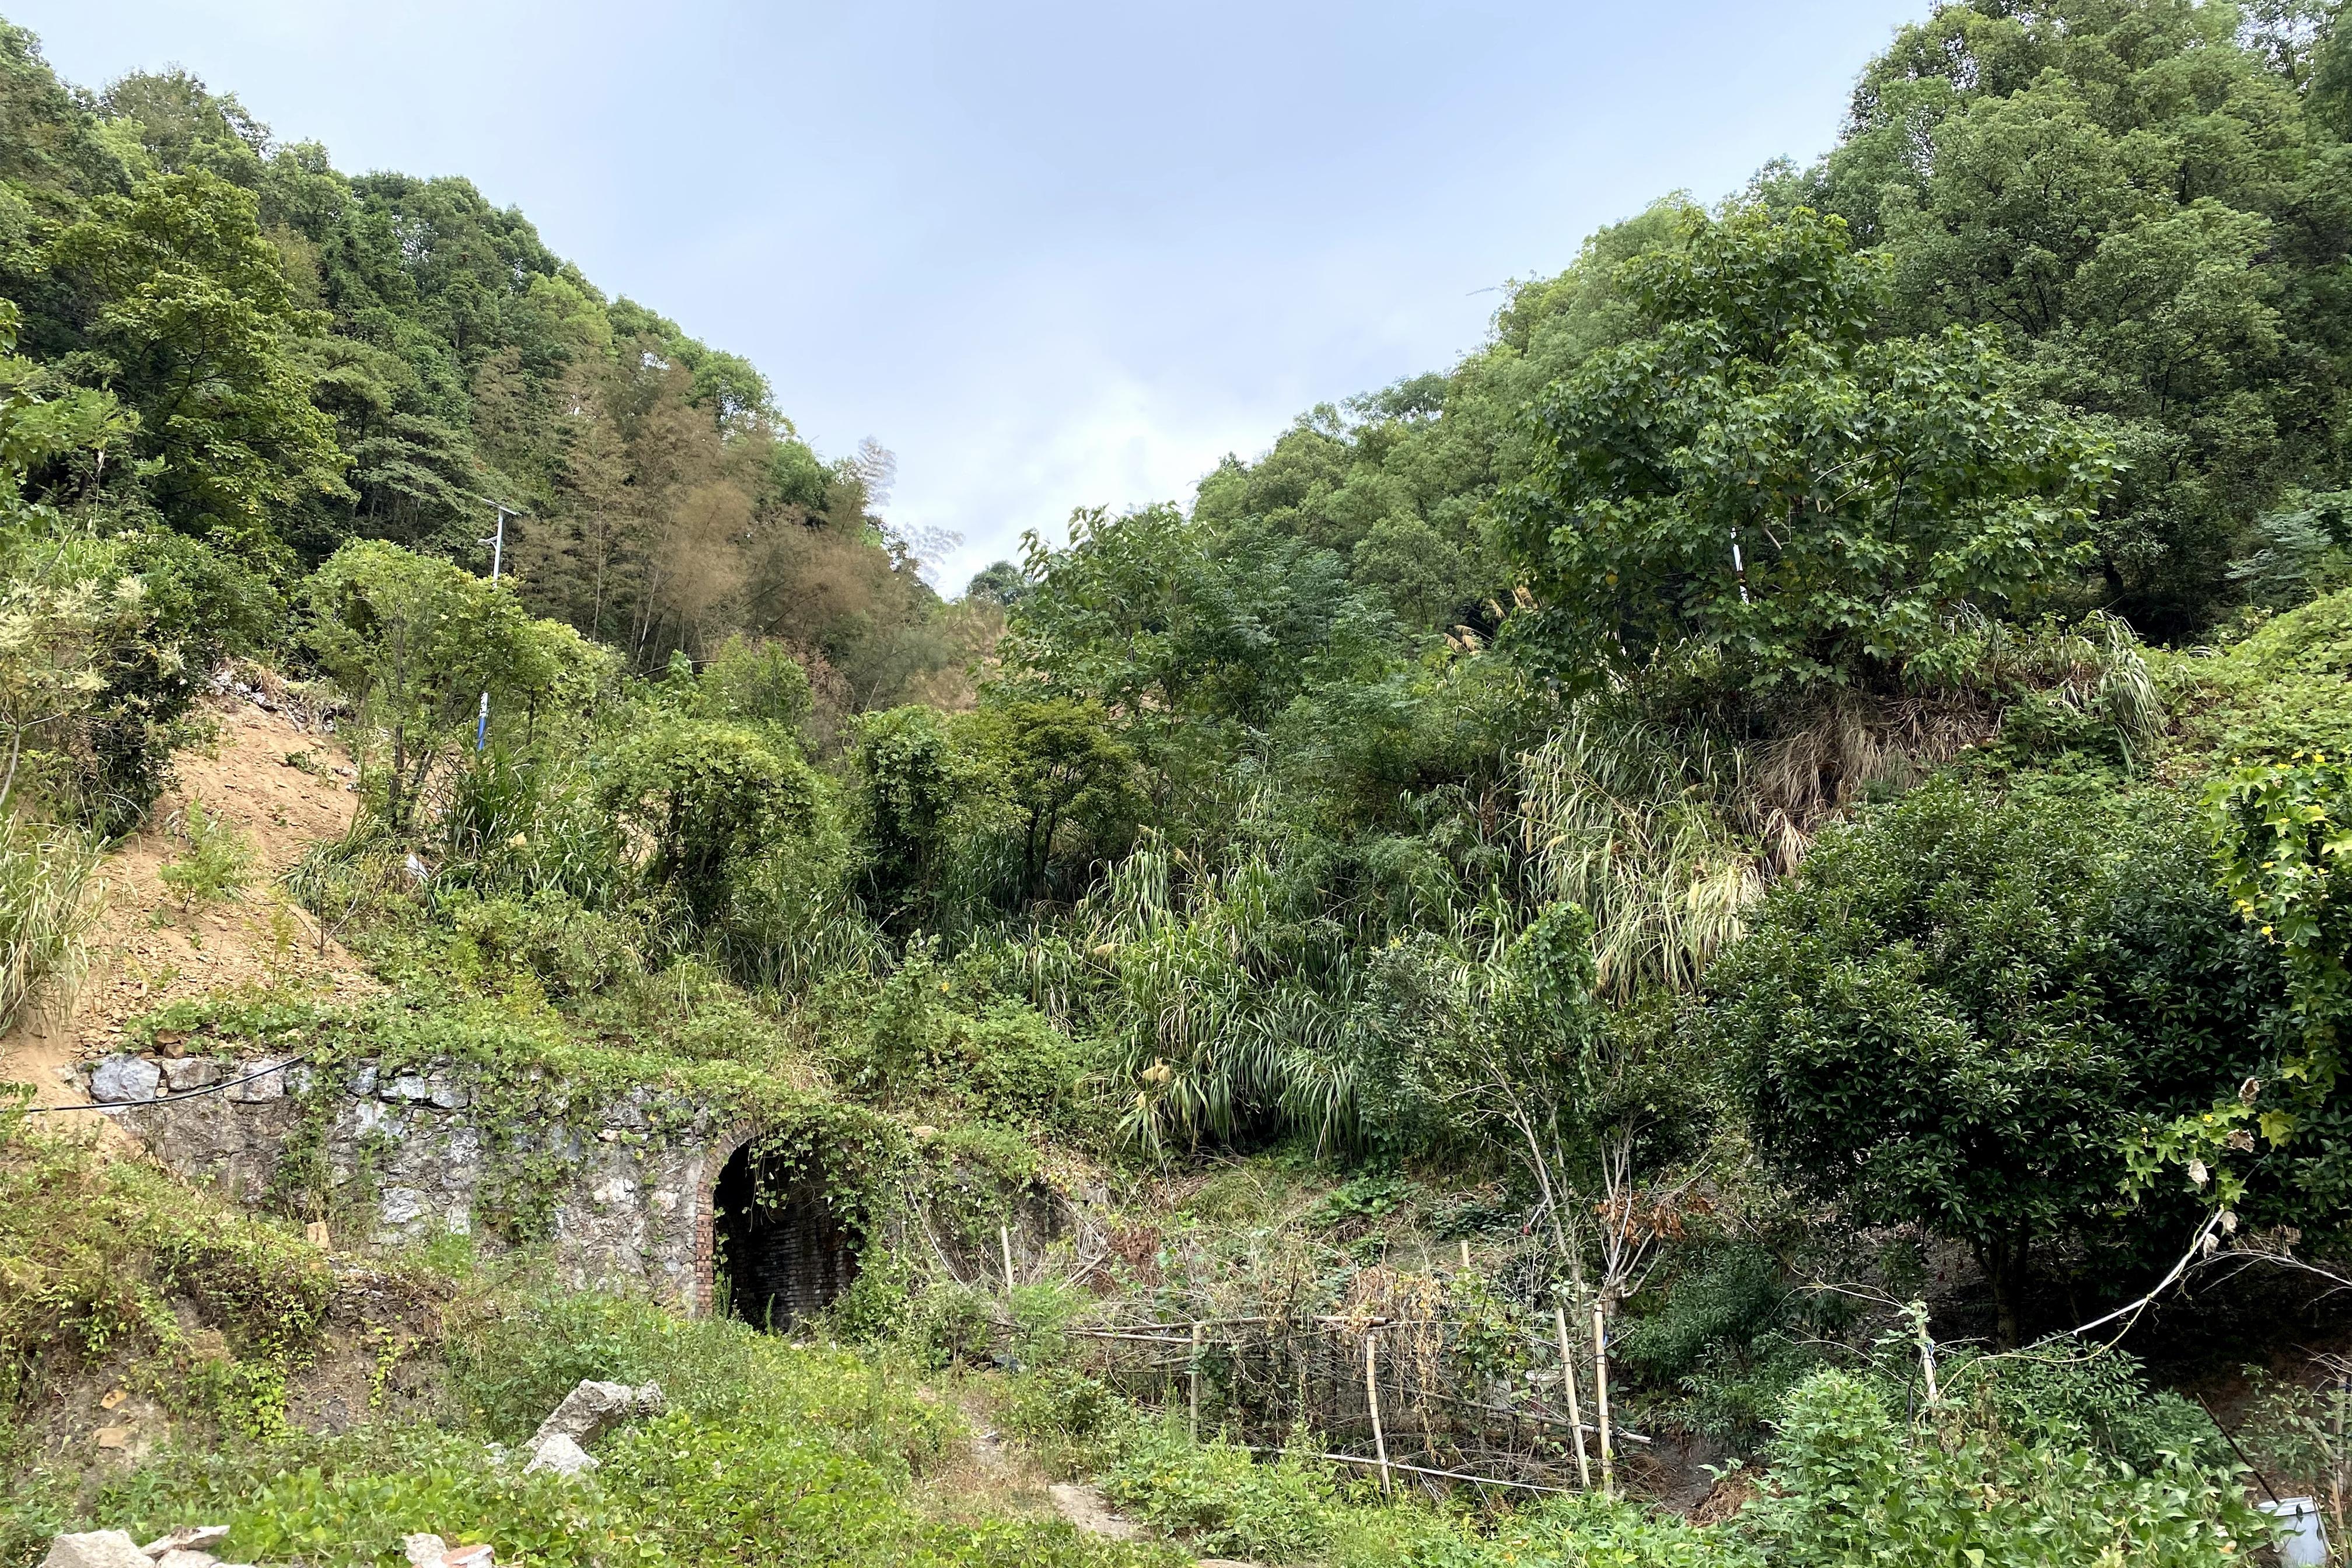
x=497, y=543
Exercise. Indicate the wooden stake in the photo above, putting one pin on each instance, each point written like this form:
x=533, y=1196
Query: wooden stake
x=2335, y=1460
x=1575, y=1414
x=1192, y=1376
x=1005, y=1240
x=1372, y=1402
x=1465, y=1255
x=1600, y=1395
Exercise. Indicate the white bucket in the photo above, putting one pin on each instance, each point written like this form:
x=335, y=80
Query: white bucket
x=2303, y=1540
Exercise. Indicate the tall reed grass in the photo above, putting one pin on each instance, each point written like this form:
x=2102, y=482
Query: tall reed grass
x=48, y=902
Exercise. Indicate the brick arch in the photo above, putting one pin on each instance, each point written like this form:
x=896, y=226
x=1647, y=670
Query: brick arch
x=706, y=1218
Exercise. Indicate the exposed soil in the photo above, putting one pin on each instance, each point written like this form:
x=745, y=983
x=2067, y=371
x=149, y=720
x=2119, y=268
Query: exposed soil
x=284, y=786
x=375, y=1361
x=1085, y=1506
x=990, y=1477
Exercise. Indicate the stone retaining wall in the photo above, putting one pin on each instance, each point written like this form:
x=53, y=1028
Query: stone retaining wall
x=405, y=1159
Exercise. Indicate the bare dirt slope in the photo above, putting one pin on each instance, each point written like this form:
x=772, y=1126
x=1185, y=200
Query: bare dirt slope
x=283, y=785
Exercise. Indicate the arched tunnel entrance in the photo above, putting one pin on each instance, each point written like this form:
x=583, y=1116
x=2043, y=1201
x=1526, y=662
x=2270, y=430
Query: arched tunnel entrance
x=780, y=1255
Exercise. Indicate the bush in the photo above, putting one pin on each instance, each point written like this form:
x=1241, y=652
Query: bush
x=705, y=797
x=754, y=683
x=949, y=1323
x=1854, y=1486
x=216, y=864
x=2097, y=1402
x=1960, y=1009
x=1221, y=1502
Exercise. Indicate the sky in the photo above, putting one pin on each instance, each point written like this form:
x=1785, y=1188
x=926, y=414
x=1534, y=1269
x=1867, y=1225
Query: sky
x=1049, y=255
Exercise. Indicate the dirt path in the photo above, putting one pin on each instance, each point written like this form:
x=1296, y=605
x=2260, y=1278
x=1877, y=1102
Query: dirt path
x=281, y=785
x=1085, y=1506
x=996, y=1477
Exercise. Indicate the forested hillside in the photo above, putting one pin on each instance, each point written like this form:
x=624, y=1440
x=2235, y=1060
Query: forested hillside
x=297, y=358
x=1782, y=814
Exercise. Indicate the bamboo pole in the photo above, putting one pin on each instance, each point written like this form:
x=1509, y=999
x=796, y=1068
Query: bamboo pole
x=1600, y=1395
x=1005, y=1240
x=2335, y=1460
x=1575, y=1413
x=1412, y=1469
x=1192, y=1381
x=1372, y=1403
x=1465, y=1255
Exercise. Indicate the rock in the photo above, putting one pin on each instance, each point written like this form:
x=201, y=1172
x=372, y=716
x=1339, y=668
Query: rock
x=192, y=1073
x=188, y=1538
x=559, y=1454
x=400, y=1205
x=592, y=1407
x=468, y=1556
x=422, y=1550
x=121, y=1079
x=270, y=1085
x=448, y=1096
x=184, y=1559
x=588, y=1411
x=408, y=1086
x=362, y=1082
x=95, y=1549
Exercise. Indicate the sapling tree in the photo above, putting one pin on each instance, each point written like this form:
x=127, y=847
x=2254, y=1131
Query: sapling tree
x=415, y=642
x=1584, y=1097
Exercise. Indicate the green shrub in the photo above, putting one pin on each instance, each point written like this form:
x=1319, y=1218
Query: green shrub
x=1220, y=1500
x=2097, y=1402
x=216, y=864
x=949, y=1324
x=706, y=795
x=754, y=683
x=1060, y=1403
x=1854, y=1486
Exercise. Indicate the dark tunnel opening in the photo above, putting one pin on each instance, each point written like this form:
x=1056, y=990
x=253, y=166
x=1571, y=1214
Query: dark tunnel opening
x=780, y=1253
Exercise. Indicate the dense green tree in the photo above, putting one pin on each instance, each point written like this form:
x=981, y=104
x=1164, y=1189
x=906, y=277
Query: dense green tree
x=1961, y=1010
x=910, y=782
x=1756, y=488
x=708, y=798
x=187, y=320
x=2137, y=194
x=1000, y=582
x=1053, y=762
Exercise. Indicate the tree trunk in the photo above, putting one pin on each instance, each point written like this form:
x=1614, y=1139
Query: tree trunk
x=392, y=785
x=2003, y=1259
